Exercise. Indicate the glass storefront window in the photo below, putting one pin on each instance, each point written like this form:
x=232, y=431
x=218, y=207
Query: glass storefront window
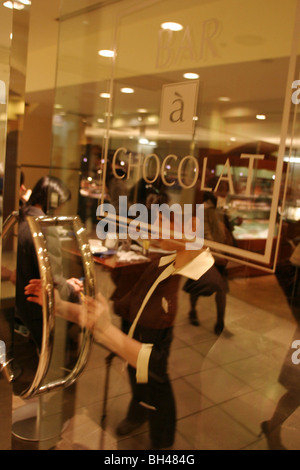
x=196, y=112
x=118, y=93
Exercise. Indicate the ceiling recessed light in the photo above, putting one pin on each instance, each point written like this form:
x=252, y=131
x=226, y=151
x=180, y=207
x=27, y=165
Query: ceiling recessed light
x=127, y=90
x=191, y=75
x=106, y=53
x=261, y=117
x=104, y=95
x=172, y=26
x=224, y=98
x=100, y=120
x=142, y=110
x=153, y=119
x=14, y=5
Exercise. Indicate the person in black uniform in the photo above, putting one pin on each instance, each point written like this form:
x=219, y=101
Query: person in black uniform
x=148, y=313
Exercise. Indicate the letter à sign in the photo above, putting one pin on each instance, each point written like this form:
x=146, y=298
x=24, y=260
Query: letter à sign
x=178, y=107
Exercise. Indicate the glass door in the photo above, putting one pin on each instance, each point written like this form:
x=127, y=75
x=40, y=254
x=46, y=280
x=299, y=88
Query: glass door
x=6, y=18
x=186, y=105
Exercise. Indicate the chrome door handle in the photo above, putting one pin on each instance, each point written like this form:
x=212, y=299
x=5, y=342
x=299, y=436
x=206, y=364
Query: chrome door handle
x=8, y=224
x=48, y=308
x=48, y=305
x=7, y=371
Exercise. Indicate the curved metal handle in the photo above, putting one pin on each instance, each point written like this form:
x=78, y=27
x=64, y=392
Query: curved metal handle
x=48, y=311
x=7, y=226
x=37, y=387
x=7, y=371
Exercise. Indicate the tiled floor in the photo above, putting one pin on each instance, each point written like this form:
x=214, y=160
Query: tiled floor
x=224, y=386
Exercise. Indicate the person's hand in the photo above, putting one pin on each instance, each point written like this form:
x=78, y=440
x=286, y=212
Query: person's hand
x=76, y=284
x=92, y=314
x=34, y=291
x=96, y=315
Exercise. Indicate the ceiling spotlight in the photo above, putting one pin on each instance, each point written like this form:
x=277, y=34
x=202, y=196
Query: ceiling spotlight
x=224, y=98
x=171, y=26
x=261, y=117
x=153, y=119
x=104, y=95
x=142, y=110
x=14, y=5
x=191, y=76
x=106, y=53
x=127, y=90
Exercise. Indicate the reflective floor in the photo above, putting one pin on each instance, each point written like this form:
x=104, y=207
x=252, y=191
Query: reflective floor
x=224, y=386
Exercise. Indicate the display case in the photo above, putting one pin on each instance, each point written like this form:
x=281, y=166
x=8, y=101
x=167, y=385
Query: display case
x=249, y=216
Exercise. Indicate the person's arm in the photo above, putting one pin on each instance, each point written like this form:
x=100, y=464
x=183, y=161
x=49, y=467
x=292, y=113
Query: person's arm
x=94, y=315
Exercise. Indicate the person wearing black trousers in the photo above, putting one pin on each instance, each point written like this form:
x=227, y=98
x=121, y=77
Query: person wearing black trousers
x=214, y=281
x=148, y=312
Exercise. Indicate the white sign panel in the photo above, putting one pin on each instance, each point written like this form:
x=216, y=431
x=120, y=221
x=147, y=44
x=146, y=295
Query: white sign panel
x=178, y=107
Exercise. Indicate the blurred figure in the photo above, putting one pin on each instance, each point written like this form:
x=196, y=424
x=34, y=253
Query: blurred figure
x=148, y=312
x=289, y=377
x=214, y=281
